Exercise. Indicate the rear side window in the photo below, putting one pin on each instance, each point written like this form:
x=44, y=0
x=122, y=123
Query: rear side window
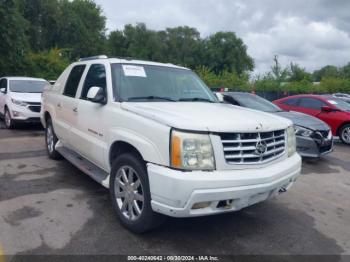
x=311, y=103
x=291, y=102
x=96, y=76
x=73, y=80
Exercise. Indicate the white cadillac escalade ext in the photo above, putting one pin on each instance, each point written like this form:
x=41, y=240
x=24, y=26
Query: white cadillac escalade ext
x=157, y=137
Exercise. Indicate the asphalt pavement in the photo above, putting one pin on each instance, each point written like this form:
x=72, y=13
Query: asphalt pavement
x=49, y=207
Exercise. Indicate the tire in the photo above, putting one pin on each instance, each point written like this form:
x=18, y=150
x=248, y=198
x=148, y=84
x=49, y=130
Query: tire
x=344, y=134
x=51, y=141
x=125, y=189
x=9, y=124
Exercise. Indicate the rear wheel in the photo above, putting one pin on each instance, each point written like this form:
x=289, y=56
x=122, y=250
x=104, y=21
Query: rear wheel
x=344, y=134
x=51, y=141
x=8, y=119
x=130, y=194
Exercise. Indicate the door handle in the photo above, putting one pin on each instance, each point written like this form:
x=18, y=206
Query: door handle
x=59, y=105
x=75, y=109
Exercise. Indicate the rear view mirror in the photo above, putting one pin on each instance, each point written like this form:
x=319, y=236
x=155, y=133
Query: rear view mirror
x=326, y=109
x=96, y=95
x=3, y=90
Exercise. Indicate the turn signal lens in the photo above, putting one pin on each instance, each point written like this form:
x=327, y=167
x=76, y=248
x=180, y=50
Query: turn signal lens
x=191, y=151
x=176, y=152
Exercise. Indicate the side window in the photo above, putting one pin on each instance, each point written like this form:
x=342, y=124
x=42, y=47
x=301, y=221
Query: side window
x=73, y=80
x=311, y=103
x=96, y=76
x=291, y=102
x=3, y=83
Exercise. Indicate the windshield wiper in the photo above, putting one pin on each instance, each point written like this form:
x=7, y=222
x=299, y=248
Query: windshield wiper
x=150, y=98
x=197, y=99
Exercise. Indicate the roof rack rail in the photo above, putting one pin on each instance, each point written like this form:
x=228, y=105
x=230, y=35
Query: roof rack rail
x=125, y=58
x=93, y=58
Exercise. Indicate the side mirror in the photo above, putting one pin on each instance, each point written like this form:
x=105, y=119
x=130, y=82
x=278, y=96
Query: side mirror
x=96, y=95
x=326, y=109
x=3, y=90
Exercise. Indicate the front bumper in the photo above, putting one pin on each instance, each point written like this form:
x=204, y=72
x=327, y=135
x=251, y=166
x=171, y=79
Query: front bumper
x=310, y=147
x=174, y=193
x=24, y=114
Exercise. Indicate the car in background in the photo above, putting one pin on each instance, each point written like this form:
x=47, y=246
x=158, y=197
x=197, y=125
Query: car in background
x=342, y=96
x=314, y=137
x=334, y=111
x=20, y=99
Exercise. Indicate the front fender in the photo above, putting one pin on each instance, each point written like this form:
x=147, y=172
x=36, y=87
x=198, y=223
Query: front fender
x=147, y=148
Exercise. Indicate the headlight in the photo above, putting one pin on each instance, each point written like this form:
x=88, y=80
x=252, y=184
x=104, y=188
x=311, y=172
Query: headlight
x=291, y=141
x=19, y=102
x=302, y=131
x=191, y=151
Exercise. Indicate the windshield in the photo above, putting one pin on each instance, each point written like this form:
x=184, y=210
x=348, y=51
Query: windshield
x=140, y=83
x=27, y=86
x=340, y=104
x=255, y=102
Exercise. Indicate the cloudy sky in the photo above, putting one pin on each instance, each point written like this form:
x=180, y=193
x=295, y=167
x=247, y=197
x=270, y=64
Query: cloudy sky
x=312, y=33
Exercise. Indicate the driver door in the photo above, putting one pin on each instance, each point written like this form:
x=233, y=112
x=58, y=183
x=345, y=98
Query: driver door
x=88, y=136
x=311, y=106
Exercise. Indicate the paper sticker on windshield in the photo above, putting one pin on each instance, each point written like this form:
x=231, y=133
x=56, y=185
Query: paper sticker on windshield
x=332, y=102
x=131, y=70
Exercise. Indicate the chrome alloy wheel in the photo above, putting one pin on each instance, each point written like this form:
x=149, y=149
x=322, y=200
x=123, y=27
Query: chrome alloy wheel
x=346, y=135
x=129, y=193
x=50, y=139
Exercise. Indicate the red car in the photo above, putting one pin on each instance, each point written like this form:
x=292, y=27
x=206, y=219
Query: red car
x=334, y=111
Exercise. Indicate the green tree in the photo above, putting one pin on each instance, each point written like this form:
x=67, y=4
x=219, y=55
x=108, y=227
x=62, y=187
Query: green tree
x=117, y=44
x=278, y=73
x=225, y=51
x=328, y=71
x=13, y=41
x=345, y=71
x=225, y=79
x=141, y=42
x=298, y=73
x=81, y=28
x=182, y=46
x=47, y=64
x=267, y=82
x=333, y=85
x=42, y=17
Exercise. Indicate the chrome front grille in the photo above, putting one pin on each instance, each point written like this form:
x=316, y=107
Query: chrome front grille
x=253, y=148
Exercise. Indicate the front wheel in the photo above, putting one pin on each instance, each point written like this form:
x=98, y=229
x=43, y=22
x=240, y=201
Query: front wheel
x=51, y=141
x=8, y=119
x=345, y=134
x=130, y=194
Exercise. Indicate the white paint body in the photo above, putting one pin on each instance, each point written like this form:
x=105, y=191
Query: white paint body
x=147, y=127
x=19, y=112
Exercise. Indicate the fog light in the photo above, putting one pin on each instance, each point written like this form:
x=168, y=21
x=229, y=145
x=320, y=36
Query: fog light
x=15, y=113
x=201, y=205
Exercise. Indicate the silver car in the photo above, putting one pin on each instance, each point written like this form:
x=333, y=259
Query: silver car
x=314, y=137
x=345, y=97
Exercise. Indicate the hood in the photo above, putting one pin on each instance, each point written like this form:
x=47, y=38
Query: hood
x=26, y=97
x=214, y=117
x=304, y=120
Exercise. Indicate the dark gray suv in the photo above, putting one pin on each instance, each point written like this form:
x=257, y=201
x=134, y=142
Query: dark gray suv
x=314, y=137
